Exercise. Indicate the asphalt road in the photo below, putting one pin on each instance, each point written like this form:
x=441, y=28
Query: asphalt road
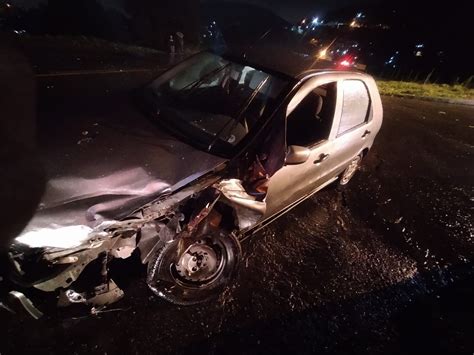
x=382, y=266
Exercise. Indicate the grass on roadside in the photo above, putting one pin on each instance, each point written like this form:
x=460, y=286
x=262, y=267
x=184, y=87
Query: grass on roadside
x=425, y=90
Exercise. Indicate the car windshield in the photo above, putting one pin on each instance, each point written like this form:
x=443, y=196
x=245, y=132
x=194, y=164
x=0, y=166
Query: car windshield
x=214, y=101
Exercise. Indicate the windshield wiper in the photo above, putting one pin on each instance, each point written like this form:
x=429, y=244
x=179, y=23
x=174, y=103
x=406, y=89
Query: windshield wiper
x=239, y=115
x=196, y=83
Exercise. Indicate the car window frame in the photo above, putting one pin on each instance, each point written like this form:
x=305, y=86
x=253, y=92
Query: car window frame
x=308, y=85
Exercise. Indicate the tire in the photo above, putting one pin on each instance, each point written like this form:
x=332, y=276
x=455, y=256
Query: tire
x=350, y=171
x=202, y=271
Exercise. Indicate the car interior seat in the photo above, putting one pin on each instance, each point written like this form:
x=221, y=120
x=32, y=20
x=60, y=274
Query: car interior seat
x=305, y=123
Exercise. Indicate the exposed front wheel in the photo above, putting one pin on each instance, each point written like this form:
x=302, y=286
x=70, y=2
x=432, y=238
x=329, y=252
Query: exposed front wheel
x=190, y=271
x=347, y=175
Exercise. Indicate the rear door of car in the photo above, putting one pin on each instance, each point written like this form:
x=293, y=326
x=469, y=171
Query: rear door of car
x=355, y=127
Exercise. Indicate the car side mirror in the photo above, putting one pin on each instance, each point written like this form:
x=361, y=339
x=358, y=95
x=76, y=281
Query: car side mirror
x=297, y=155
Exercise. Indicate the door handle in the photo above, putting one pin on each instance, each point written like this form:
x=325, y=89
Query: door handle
x=366, y=133
x=321, y=158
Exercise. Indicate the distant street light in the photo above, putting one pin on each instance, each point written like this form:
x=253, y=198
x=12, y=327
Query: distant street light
x=323, y=53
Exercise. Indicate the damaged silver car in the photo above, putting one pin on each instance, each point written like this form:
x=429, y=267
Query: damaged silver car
x=230, y=144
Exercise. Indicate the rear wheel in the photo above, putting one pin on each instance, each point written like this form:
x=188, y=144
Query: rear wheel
x=190, y=271
x=347, y=175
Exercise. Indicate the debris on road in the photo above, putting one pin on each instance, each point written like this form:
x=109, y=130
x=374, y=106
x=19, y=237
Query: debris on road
x=84, y=141
x=5, y=307
x=26, y=304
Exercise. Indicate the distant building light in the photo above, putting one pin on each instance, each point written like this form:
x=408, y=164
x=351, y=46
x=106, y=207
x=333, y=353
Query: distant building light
x=419, y=45
x=315, y=21
x=8, y=5
x=354, y=23
x=418, y=54
x=359, y=15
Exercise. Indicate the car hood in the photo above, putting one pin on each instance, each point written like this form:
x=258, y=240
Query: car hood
x=102, y=167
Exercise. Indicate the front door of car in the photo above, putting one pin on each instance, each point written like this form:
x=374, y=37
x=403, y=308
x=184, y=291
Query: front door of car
x=310, y=161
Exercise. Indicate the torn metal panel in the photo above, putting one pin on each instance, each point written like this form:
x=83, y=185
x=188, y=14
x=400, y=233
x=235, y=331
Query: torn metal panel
x=159, y=207
x=73, y=271
x=203, y=213
x=155, y=234
x=106, y=294
x=149, y=239
x=124, y=247
x=80, y=257
x=248, y=209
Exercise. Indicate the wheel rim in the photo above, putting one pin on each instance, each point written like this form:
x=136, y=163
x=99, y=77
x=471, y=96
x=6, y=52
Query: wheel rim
x=171, y=275
x=199, y=263
x=350, y=170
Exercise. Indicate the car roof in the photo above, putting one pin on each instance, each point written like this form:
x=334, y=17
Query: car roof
x=281, y=52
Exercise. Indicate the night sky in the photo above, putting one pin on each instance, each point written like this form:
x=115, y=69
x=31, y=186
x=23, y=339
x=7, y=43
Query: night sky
x=291, y=10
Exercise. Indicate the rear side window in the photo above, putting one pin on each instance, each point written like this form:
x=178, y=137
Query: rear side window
x=355, y=106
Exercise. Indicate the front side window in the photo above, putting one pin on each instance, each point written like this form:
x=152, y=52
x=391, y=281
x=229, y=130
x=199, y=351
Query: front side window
x=355, y=106
x=311, y=121
x=215, y=101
